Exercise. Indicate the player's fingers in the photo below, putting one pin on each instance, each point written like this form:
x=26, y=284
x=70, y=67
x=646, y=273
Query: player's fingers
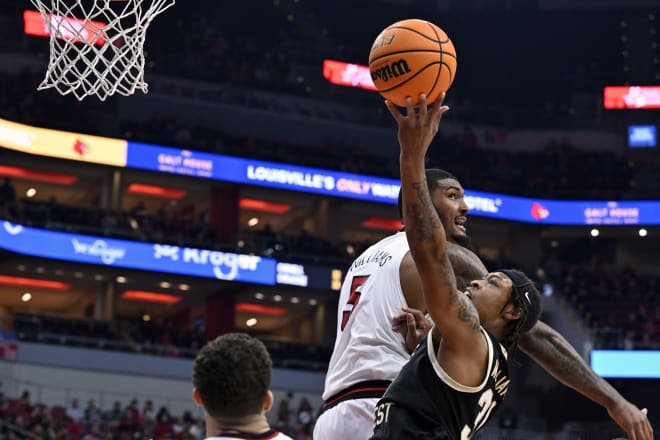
x=412, y=326
x=441, y=98
x=396, y=114
x=417, y=314
x=423, y=106
x=398, y=324
x=410, y=111
x=647, y=428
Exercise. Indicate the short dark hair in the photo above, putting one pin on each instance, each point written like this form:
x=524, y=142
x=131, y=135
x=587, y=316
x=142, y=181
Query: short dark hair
x=232, y=375
x=525, y=298
x=433, y=175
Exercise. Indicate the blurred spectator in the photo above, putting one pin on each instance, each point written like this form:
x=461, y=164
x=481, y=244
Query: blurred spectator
x=284, y=410
x=92, y=413
x=74, y=411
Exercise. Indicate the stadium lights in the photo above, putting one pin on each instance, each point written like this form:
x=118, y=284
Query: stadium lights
x=153, y=297
x=264, y=206
x=8, y=280
x=27, y=296
x=260, y=309
x=594, y=232
x=643, y=232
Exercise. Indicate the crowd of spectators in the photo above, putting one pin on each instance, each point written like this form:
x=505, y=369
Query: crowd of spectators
x=21, y=418
x=619, y=305
x=150, y=338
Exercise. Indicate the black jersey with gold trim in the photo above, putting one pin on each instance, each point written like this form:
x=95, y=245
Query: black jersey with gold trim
x=424, y=402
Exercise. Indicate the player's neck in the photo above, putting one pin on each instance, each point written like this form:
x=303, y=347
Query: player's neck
x=256, y=424
x=495, y=328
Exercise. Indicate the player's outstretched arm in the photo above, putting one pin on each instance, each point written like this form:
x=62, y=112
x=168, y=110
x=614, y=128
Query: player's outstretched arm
x=552, y=351
x=452, y=312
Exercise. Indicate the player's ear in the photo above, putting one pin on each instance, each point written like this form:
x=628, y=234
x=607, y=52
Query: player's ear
x=268, y=401
x=197, y=398
x=511, y=312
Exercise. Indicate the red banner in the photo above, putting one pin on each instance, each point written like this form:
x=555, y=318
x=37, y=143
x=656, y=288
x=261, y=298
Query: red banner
x=82, y=31
x=631, y=97
x=345, y=74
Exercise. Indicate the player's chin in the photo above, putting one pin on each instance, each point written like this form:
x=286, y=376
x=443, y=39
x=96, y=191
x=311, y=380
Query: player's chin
x=461, y=238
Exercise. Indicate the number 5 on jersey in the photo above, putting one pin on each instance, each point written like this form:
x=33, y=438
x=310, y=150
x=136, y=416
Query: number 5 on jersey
x=353, y=299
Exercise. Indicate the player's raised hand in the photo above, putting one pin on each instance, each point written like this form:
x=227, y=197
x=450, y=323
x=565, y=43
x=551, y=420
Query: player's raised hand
x=418, y=126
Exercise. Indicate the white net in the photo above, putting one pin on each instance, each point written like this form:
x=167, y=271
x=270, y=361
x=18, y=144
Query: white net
x=96, y=46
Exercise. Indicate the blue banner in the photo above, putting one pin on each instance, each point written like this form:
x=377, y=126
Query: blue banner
x=557, y=212
x=377, y=189
x=134, y=255
x=626, y=363
x=261, y=173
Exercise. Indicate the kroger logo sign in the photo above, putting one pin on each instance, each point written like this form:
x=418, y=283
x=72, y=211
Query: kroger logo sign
x=98, y=249
x=225, y=266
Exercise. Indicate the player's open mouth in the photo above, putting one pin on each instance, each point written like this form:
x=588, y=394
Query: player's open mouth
x=468, y=293
x=460, y=223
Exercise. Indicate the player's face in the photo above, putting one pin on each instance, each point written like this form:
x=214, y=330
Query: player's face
x=449, y=202
x=490, y=295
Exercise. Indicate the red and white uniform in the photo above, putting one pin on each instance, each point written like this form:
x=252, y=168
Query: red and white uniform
x=270, y=435
x=367, y=354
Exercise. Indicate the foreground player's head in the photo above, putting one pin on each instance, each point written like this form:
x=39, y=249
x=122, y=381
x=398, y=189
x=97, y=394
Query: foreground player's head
x=447, y=195
x=508, y=303
x=231, y=376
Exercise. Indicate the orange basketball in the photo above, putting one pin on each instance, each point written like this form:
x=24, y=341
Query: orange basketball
x=411, y=57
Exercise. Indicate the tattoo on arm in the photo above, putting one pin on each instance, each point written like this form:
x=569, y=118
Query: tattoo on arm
x=466, y=310
x=552, y=352
x=422, y=213
x=424, y=228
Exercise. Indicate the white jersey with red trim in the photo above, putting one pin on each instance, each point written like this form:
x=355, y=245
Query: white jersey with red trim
x=270, y=435
x=366, y=347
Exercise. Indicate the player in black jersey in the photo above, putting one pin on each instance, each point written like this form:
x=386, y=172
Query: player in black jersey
x=458, y=375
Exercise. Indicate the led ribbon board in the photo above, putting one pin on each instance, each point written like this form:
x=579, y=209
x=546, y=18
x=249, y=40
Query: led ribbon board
x=135, y=255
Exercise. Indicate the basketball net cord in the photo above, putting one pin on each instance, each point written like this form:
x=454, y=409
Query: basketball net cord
x=96, y=46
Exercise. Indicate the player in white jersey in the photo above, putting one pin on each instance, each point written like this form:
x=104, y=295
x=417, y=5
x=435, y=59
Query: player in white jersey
x=368, y=354
x=231, y=379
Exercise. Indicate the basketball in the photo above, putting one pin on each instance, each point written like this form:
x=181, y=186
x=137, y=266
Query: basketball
x=411, y=57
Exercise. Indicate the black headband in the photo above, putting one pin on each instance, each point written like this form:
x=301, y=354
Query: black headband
x=529, y=302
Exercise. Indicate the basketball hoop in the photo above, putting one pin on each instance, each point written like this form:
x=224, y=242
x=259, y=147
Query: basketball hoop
x=96, y=46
